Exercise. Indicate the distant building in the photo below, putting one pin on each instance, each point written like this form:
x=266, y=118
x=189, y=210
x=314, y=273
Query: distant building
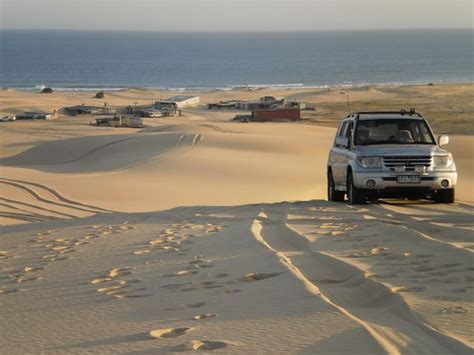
x=170, y=111
x=88, y=110
x=36, y=116
x=178, y=102
x=290, y=114
x=223, y=105
x=149, y=113
x=265, y=103
x=301, y=105
x=120, y=121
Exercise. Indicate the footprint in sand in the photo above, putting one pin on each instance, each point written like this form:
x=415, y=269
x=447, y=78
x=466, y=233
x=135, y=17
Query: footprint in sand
x=378, y=251
x=257, y=276
x=141, y=252
x=120, y=272
x=169, y=332
x=453, y=310
x=187, y=289
x=204, y=316
x=182, y=273
x=101, y=280
x=26, y=279
x=201, y=263
x=4, y=290
x=131, y=293
x=175, y=286
x=184, y=306
x=221, y=275
x=407, y=289
x=111, y=289
x=5, y=254
x=384, y=276
x=54, y=257
x=207, y=345
x=458, y=290
x=157, y=241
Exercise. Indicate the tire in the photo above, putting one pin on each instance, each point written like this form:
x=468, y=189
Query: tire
x=333, y=195
x=444, y=196
x=354, y=195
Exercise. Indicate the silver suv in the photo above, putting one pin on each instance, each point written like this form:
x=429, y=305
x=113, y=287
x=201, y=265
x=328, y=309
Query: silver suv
x=389, y=154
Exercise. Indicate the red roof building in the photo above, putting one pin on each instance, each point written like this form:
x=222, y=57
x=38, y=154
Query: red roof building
x=290, y=114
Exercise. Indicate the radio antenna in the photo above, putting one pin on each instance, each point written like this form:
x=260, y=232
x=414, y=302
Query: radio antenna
x=348, y=102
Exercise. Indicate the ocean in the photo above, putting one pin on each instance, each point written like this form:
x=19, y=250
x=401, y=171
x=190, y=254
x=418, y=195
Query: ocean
x=88, y=60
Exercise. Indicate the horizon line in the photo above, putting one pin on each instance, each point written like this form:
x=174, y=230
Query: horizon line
x=240, y=31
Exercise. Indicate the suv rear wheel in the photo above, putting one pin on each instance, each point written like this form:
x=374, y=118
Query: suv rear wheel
x=355, y=196
x=333, y=194
x=443, y=196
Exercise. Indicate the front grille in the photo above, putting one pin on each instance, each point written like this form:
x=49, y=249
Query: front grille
x=423, y=178
x=409, y=162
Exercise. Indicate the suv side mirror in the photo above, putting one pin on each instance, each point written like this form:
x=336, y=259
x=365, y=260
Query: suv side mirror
x=342, y=142
x=443, y=140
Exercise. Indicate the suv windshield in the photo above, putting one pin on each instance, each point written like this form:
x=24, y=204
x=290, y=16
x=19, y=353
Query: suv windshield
x=393, y=131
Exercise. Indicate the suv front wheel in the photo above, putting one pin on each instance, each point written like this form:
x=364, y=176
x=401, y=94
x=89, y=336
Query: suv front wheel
x=354, y=195
x=444, y=196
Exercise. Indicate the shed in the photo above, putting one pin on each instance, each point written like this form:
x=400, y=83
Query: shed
x=87, y=110
x=178, y=101
x=37, y=115
x=291, y=114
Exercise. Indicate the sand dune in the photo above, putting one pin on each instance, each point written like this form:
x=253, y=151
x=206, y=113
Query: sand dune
x=99, y=254
x=222, y=276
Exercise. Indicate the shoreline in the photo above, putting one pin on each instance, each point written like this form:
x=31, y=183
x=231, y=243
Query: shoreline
x=232, y=87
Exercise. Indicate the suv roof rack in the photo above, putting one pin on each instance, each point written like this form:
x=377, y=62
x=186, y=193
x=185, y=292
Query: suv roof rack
x=402, y=112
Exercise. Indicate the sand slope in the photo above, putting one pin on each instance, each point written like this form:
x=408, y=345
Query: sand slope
x=331, y=278
x=180, y=162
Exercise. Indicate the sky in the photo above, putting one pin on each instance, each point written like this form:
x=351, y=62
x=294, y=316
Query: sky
x=235, y=15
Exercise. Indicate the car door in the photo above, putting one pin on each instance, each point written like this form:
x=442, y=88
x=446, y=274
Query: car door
x=337, y=155
x=346, y=153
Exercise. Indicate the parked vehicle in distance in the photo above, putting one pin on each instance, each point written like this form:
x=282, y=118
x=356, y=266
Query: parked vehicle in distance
x=8, y=118
x=389, y=154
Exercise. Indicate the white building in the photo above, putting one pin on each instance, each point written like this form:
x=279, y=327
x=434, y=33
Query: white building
x=179, y=101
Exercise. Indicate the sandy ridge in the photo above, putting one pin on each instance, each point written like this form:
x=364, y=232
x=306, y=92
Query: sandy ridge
x=389, y=327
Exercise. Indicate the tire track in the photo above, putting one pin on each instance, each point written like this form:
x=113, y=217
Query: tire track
x=37, y=207
x=92, y=151
x=379, y=213
x=181, y=147
x=26, y=212
x=57, y=195
x=21, y=217
x=37, y=197
x=384, y=315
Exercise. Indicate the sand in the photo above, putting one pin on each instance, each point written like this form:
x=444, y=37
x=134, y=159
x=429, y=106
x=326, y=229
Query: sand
x=174, y=238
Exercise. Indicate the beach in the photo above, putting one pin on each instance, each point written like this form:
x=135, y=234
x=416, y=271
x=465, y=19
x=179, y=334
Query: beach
x=199, y=233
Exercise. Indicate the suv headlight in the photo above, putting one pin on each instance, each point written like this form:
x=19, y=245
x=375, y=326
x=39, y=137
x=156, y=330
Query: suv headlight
x=442, y=161
x=370, y=162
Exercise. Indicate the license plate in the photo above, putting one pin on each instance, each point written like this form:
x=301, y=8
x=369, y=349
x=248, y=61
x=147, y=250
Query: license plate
x=409, y=179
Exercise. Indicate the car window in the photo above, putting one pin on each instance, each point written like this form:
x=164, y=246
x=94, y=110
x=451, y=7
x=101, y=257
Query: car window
x=426, y=134
x=342, y=129
x=393, y=131
x=348, y=134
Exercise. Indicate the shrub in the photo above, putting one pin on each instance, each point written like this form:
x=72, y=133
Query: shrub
x=100, y=95
x=47, y=91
